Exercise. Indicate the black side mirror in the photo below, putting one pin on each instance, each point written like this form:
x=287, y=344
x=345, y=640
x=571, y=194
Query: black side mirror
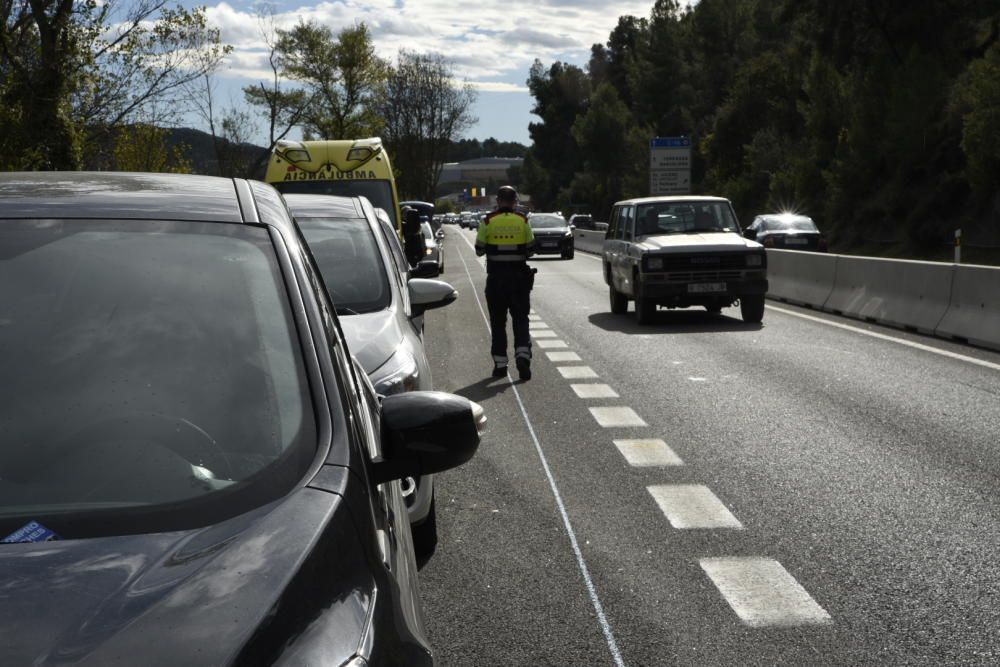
x=424, y=269
x=750, y=233
x=424, y=432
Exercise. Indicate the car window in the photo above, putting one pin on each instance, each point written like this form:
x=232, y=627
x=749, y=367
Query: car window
x=391, y=239
x=144, y=363
x=685, y=217
x=799, y=224
x=378, y=192
x=628, y=223
x=544, y=221
x=428, y=233
x=349, y=260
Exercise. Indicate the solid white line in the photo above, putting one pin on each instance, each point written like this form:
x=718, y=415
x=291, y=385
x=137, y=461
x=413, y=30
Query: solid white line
x=763, y=593
x=593, y=390
x=550, y=343
x=646, y=452
x=576, y=372
x=893, y=339
x=565, y=355
x=616, y=417
x=692, y=506
x=602, y=620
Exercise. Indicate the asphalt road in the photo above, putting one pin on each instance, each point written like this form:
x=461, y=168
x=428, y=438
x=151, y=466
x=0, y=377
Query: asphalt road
x=811, y=491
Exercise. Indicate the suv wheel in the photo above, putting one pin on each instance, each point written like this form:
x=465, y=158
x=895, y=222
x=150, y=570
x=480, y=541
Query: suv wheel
x=644, y=308
x=752, y=308
x=619, y=302
x=568, y=254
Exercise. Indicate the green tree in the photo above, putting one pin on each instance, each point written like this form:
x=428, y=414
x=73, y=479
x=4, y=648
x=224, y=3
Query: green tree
x=422, y=111
x=561, y=93
x=340, y=76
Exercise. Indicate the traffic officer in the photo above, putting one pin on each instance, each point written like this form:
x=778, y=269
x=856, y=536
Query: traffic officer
x=413, y=237
x=506, y=239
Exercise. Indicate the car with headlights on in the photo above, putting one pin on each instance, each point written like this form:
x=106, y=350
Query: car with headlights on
x=434, y=248
x=195, y=470
x=786, y=231
x=553, y=235
x=680, y=252
x=381, y=309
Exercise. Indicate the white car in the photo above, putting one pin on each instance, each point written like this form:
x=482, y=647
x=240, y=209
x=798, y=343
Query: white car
x=380, y=308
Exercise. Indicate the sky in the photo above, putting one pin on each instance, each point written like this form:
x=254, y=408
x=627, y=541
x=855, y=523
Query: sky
x=490, y=44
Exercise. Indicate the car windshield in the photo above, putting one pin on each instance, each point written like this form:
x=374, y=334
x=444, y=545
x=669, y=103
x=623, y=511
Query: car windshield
x=798, y=224
x=684, y=217
x=378, y=192
x=348, y=257
x=581, y=219
x=546, y=221
x=144, y=363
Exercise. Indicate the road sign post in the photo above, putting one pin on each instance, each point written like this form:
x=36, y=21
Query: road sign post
x=670, y=166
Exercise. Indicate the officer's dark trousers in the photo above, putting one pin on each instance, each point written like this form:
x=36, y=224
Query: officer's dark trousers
x=509, y=289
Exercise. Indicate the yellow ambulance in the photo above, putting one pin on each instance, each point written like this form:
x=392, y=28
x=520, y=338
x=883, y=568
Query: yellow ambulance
x=344, y=167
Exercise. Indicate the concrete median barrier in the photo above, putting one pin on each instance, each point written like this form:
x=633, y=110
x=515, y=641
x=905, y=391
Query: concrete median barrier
x=804, y=278
x=974, y=313
x=902, y=293
x=588, y=241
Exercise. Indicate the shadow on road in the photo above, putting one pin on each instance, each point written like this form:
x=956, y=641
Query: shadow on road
x=488, y=387
x=672, y=322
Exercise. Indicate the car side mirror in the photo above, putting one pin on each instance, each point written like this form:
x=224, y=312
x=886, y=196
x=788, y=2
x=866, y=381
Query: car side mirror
x=424, y=432
x=750, y=233
x=424, y=269
x=429, y=294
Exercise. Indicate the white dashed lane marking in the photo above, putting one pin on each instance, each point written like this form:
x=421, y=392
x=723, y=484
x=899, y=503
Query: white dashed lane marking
x=692, y=506
x=648, y=452
x=534, y=318
x=612, y=417
x=551, y=343
x=566, y=355
x=763, y=593
x=576, y=372
x=593, y=390
x=543, y=333
x=532, y=326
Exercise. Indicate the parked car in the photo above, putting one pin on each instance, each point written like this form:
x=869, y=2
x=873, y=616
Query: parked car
x=370, y=285
x=195, y=471
x=680, y=252
x=581, y=221
x=435, y=249
x=788, y=231
x=552, y=235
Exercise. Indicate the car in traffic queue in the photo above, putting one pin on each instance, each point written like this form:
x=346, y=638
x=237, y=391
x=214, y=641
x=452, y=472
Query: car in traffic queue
x=426, y=211
x=195, y=471
x=680, y=252
x=581, y=221
x=553, y=235
x=786, y=231
x=435, y=248
x=377, y=301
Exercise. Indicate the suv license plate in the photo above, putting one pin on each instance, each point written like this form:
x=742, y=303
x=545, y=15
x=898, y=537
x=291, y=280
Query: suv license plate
x=794, y=241
x=707, y=287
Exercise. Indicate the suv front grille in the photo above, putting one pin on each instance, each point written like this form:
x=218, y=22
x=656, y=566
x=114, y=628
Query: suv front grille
x=701, y=262
x=697, y=276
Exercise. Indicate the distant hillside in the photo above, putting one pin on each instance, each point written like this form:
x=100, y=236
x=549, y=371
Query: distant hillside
x=200, y=150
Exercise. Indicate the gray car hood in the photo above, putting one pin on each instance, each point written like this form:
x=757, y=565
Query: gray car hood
x=372, y=337
x=711, y=242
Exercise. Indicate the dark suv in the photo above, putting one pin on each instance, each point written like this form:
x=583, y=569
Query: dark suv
x=680, y=252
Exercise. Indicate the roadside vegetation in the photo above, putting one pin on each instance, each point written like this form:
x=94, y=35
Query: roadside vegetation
x=876, y=117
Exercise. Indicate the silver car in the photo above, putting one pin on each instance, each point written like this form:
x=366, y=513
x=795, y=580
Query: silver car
x=380, y=308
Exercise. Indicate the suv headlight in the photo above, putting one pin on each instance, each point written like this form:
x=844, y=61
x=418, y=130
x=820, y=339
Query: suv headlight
x=569, y=233
x=398, y=374
x=654, y=263
x=755, y=260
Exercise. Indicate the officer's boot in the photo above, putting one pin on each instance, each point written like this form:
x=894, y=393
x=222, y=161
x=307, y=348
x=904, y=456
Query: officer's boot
x=524, y=368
